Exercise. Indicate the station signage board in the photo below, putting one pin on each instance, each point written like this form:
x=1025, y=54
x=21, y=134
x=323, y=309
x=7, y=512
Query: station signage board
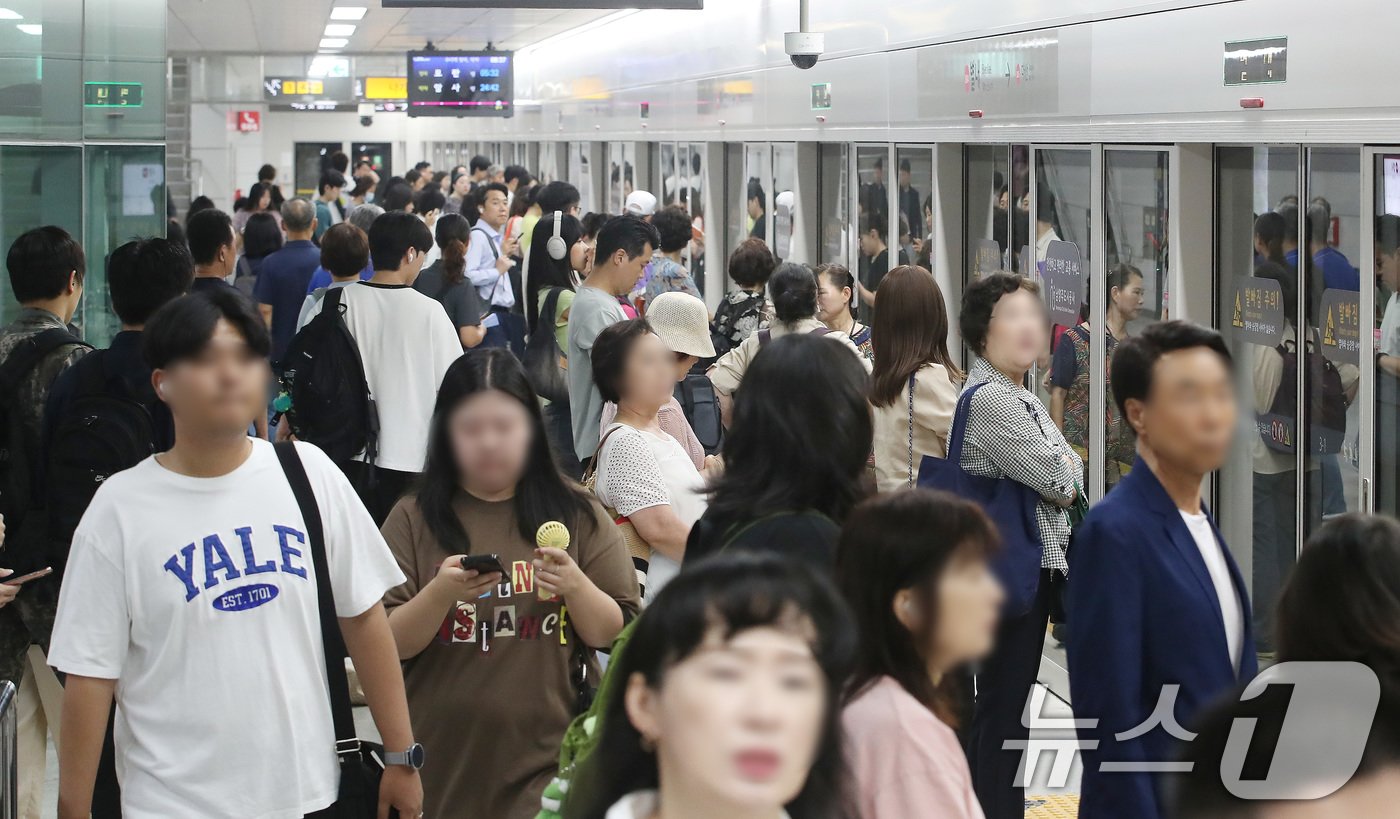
x=1257, y=316
x=304, y=89
x=1064, y=282
x=371, y=89
x=986, y=257
x=248, y=122
x=112, y=94
x=1256, y=62
x=1341, y=326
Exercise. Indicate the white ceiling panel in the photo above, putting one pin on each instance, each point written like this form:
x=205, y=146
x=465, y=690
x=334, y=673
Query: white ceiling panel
x=295, y=26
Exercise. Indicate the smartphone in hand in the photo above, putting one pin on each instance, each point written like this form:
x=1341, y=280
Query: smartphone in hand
x=25, y=578
x=483, y=564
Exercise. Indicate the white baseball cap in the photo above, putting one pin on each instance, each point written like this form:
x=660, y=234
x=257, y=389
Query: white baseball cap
x=640, y=203
x=682, y=322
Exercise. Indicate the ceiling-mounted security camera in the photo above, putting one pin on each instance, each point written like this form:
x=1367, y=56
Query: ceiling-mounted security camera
x=803, y=47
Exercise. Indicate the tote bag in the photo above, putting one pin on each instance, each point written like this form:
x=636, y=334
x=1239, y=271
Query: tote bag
x=1009, y=504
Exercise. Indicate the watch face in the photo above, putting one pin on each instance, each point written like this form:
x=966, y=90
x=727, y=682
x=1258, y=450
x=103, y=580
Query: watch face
x=415, y=755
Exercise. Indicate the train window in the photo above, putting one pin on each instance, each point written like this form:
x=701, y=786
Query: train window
x=1386, y=272
x=757, y=199
x=616, y=179
x=785, y=220
x=1257, y=190
x=834, y=203
x=873, y=225
x=691, y=162
x=1326, y=258
x=987, y=208
x=1063, y=211
x=580, y=174
x=913, y=189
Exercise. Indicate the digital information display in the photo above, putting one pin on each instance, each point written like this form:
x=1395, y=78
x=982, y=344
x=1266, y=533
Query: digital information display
x=461, y=84
x=112, y=94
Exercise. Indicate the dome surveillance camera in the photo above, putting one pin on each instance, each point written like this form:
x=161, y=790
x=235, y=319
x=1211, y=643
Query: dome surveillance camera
x=366, y=121
x=804, y=47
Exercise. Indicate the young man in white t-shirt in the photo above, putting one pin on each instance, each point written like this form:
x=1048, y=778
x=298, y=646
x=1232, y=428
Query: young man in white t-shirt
x=406, y=344
x=191, y=597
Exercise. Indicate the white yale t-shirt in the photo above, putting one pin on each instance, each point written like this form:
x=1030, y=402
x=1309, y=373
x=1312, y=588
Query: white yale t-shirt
x=199, y=597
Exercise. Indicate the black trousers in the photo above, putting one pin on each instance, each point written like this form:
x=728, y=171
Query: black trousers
x=380, y=491
x=1002, y=686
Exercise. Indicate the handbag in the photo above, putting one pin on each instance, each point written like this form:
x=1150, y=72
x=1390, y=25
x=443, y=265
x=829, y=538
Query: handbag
x=1059, y=581
x=542, y=359
x=361, y=762
x=637, y=546
x=1008, y=503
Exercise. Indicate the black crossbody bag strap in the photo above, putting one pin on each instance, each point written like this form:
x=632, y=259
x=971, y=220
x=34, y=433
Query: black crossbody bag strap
x=331, y=640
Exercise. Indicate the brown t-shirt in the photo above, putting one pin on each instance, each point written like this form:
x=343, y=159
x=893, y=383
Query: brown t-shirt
x=491, y=695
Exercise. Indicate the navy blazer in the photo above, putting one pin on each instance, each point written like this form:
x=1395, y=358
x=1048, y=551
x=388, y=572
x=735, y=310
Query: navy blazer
x=1143, y=614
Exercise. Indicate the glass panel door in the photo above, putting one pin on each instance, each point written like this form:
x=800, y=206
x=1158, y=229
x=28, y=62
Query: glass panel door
x=914, y=183
x=873, y=224
x=1381, y=266
x=784, y=199
x=833, y=199
x=1331, y=245
x=1256, y=213
x=757, y=195
x=613, y=203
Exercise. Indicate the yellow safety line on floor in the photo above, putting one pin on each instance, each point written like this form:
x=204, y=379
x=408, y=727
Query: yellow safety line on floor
x=1052, y=806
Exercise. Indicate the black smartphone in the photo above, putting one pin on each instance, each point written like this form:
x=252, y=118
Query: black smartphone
x=483, y=564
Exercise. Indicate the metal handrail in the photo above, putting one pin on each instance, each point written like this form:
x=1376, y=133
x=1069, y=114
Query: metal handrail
x=9, y=762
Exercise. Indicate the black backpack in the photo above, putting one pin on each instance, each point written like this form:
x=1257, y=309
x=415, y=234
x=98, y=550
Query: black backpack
x=106, y=429
x=1326, y=405
x=324, y=377
x=727, y=316
x=19, y=454
x=697, y=397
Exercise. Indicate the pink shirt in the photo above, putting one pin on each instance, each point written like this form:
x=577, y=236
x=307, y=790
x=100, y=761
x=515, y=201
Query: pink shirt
x=673, y=423
x=906, y=761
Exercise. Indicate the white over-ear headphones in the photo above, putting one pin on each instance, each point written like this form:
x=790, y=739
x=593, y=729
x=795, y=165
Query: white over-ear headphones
x=557, y=247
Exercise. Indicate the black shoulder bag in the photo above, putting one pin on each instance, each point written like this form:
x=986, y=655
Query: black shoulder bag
x=361, y=762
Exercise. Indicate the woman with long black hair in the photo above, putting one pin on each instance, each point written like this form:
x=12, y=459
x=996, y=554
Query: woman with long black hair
x=494, y=660
x=551, y=282
x=726, y=702
x=795, y=456
x=446, y=281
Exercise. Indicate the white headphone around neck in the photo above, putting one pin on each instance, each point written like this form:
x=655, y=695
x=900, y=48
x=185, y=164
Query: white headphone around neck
x=557, y=247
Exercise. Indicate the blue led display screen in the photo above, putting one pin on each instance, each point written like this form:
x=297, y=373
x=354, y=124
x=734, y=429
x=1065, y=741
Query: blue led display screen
x=461, y=84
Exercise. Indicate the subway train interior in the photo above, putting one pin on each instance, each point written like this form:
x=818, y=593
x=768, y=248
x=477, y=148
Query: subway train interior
x=1060, y=141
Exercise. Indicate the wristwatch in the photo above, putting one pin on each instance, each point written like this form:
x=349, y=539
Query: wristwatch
x=412, y=758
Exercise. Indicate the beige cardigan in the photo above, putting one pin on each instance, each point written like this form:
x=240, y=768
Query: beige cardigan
x=729, y=370
x=935, y=400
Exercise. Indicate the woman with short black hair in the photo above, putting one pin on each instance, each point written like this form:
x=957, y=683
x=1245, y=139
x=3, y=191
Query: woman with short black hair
x=727, y=702
x=667, y=274
x=1009, y=436
x=746, y=308
x=835, y=294
x=793, y=289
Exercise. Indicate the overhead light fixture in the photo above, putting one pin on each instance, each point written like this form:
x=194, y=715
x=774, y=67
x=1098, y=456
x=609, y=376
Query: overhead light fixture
x=348, y=12
x=10, y=14
x=31, y=28
x=340, y=30
x=334, y=42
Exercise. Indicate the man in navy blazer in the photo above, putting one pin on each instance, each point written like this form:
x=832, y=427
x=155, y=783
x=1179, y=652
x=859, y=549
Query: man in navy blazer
x=1154, y=598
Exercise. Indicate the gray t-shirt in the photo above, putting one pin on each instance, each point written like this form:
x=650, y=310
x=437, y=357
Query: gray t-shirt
x=460, y=300
x=593, y=311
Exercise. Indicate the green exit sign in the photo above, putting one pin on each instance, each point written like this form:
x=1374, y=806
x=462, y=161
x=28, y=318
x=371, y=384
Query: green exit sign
x=112, y=94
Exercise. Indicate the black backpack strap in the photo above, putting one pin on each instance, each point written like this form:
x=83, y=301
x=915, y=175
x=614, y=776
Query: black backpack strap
x=764, y=336
x=490, y=242
x=26, y=356
x=820, y=331
x=331, y=301
x=331, y=640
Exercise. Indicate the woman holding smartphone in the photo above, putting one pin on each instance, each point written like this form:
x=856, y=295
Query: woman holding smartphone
x=493, y=672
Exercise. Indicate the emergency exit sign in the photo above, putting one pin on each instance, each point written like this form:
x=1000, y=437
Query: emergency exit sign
x=112, y=94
